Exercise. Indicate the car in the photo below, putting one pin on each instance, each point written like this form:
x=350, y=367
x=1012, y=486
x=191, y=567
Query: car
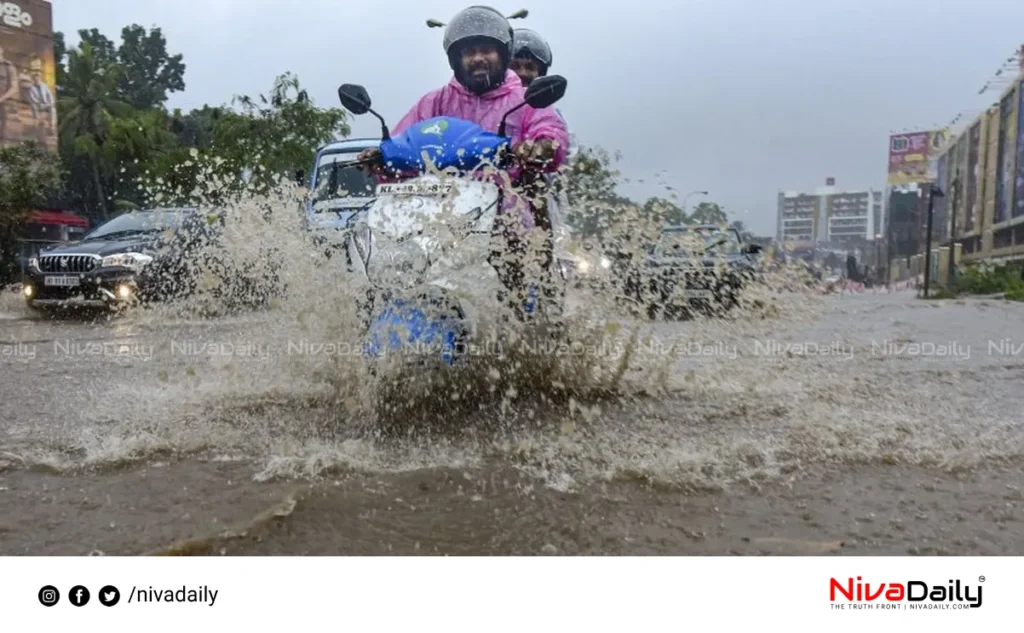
x=339, y=191
x=706, y=266
x=583, y=265
x=142, y=256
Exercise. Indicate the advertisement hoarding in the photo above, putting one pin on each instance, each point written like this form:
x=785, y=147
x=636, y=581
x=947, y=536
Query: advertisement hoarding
x=1018, y=189
x=972, y=206
x=904, y=229
x=1004, y=162
x=28, y=76
x=912, y=156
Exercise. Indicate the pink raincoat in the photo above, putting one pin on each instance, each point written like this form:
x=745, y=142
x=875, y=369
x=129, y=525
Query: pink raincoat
x=486, y=110
x=525, y=124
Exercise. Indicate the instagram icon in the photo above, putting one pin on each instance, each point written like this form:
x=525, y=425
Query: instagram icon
x=49, y=596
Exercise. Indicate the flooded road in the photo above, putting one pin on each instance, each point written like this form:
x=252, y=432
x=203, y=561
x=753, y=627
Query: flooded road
x=856, y=424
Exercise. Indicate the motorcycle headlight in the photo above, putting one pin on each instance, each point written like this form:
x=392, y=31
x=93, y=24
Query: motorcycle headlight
x=127, y=260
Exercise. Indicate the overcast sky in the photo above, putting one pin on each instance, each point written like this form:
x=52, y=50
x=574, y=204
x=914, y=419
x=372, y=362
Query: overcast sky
x=739, y=97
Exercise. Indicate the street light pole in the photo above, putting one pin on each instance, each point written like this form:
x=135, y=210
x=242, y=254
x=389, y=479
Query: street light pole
x=933, y=192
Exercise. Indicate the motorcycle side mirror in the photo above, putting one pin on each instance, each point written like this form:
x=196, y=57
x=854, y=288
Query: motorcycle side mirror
x=356, y=100
x=543, y=92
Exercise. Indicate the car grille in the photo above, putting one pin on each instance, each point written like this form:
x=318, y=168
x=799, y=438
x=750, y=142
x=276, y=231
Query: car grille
x=68, y=263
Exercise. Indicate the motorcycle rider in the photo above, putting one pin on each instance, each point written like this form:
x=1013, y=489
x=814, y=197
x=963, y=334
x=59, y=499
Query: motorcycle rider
x=531, y=55
x=532, y=58
x=478, y=42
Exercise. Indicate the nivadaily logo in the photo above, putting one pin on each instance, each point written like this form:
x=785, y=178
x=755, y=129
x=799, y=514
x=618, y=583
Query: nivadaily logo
x=915, y=594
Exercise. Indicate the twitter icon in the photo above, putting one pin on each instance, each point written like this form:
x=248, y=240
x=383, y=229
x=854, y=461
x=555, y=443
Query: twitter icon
x=109, y=596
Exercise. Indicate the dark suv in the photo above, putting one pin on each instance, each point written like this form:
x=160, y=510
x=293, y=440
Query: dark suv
x=143, y=256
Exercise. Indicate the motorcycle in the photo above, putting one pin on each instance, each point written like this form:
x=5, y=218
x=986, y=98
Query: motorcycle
x=428, y=243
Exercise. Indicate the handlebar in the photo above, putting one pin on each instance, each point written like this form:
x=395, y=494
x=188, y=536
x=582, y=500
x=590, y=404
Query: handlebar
x=507, y=159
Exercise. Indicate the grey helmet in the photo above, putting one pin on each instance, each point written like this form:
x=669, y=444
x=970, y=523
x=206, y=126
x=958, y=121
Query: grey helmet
x=478, y=21
x=527, y=42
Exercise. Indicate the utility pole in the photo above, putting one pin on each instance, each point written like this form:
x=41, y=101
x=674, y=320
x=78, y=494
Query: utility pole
x=933, y=192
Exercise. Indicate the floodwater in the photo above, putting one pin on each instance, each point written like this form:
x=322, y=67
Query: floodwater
x=856, y=424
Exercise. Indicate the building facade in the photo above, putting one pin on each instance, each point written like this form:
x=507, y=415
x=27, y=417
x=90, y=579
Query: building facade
x=982, y=170
x=829, y=215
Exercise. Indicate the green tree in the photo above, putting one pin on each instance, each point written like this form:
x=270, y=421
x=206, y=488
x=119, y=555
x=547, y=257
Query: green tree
x=709, y=213
x=60, y=51
x=665, y=211
x=150, y=73
x=133, y=144
x=85, y=112
x=104, y=49
x=590, y=182
x=195, y=129
x=269, y=138
x=29, y=176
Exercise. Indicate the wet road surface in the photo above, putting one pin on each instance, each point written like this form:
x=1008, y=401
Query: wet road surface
x=855, y=424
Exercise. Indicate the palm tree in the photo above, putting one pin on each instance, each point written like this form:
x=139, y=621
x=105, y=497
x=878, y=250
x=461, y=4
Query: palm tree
x=85, y=111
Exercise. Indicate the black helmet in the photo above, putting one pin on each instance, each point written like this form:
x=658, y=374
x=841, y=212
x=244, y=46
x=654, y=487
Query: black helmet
x=526, y=42
x=478, y=21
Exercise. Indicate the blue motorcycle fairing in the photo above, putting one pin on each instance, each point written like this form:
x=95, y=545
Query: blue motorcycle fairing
x=401, y=325
x=447, y=142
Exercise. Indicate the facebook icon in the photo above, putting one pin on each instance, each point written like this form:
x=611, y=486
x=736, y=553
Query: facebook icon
x=79, y=596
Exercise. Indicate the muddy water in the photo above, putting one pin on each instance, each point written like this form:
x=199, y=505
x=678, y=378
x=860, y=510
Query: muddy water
x=858, y=424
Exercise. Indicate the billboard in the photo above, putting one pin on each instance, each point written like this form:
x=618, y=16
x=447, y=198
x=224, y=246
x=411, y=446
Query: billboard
x=912, y=156
x=972, y=208
x=1004, y=178
x=28, y=75
x=1018, y=189
x=904, y=230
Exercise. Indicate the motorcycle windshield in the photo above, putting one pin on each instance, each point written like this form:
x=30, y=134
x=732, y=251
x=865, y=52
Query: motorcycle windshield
x=446, y=142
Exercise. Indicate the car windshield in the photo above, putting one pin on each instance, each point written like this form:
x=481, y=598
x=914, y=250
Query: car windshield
x=336, y=180
x=694, y=240
x=139, y=222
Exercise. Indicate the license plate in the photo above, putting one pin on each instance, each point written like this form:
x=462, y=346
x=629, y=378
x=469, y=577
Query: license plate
x=62, y=281
x=414, y=189
x=697, y=294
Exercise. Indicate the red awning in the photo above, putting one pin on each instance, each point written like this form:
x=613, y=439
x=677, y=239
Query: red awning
x=65, y=218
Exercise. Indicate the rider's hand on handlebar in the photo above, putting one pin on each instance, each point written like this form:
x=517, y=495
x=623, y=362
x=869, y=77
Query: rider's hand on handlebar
x=535, y=153
x=370, y=159
x=370, y=156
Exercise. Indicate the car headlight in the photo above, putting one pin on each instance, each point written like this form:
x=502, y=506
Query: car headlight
x=606, y=263
x=583, y=265
x=126, y=260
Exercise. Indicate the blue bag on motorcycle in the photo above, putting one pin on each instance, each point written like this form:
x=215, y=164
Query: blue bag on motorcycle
x=446, y=141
